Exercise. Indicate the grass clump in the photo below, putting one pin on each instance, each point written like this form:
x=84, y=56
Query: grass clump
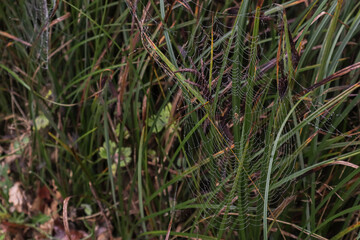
x=179, y=119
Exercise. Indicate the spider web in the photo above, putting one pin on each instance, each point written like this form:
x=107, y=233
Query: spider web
x=36, y=30
x=230, y=178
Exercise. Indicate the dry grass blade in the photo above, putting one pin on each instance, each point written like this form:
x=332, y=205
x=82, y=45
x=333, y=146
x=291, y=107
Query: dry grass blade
x=325, y=165
x=65, y=217
x=316, y=236
x=332, y=77
x=7, y=35
x=60, y=19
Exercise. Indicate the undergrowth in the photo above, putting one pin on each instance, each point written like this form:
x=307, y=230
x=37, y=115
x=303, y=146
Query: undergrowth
x=179, y=119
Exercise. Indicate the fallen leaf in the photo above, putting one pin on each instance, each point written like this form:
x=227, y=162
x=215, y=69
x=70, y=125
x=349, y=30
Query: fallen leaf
x=13, y=230
x=60, y=234
x=101, y=233
x=44, y=193
x=17, y=197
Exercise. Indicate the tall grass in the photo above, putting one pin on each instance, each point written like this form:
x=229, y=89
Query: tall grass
x=110, y=114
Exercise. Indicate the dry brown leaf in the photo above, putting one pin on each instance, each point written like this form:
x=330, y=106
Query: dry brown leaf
x=37, y=205
x=13, y=230
x=101, y=233
x=48, y=226
x=17, y=197
x=53, y=210
x=59, y=233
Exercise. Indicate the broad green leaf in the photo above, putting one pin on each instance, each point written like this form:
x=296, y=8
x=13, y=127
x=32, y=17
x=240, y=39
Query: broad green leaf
x=125, y=157
x=41, y=122
x=162, y=120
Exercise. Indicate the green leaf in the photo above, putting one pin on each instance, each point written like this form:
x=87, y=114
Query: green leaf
x=102, y=151
x=41, y=122
x=126, y=132
x=161, y=120
x=40, y=218
x=87, y=209
x=19, y=145
x=125, y=157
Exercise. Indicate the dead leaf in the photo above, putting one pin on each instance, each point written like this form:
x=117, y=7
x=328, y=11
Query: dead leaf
x=48, y=226
x=59, y=233
x=101, y=233
x=17, y=197
x=37, y=205
x=14, y=230
x=44, y=193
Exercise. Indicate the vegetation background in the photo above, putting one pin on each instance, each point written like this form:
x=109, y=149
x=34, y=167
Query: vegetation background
x=92, y=127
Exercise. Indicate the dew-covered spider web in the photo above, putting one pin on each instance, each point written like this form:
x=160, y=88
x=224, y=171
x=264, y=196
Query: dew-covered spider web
x=243, y=110
x=34, y=27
